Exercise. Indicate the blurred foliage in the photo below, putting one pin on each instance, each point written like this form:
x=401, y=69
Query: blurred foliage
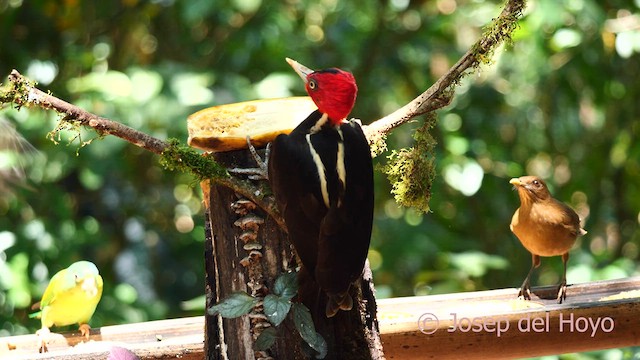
x=561, y=103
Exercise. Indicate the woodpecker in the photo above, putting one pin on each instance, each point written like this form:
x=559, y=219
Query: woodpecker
x=322, y=178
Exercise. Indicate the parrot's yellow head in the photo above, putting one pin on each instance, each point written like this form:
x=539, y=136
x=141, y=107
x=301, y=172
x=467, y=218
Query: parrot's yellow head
x=84, y=274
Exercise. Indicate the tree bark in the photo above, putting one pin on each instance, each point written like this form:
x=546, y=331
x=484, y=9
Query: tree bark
x=246, y=251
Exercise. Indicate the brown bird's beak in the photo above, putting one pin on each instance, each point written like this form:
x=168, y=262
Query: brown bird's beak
x=515, y=182
x=302, y=70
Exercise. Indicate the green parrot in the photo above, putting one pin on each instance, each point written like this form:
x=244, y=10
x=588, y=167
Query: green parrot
x=70, y=298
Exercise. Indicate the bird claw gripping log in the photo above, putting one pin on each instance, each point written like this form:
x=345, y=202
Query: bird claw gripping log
x=262, y=171
x=249, y=224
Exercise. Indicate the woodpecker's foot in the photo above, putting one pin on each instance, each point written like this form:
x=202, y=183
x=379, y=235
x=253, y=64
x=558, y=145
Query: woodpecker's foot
x=85, y=330
x=562, y=292
x=43, y=337
x=262, y=171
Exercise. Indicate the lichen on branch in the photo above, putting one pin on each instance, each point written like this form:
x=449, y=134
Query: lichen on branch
x=16, y=91
x=20, y=91
x=411, y=171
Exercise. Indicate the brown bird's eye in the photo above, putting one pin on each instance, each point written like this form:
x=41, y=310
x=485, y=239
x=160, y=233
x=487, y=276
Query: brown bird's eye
x=313, y=84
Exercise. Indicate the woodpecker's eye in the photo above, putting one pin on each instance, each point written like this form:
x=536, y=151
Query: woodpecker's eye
x=313, y=84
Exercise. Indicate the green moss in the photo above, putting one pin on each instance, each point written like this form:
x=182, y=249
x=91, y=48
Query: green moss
x=75, y=128
x=5, y=94
x=175, y=156
x=379, y=146
x=16, y=92
x=494, y=34
x=411, y=171
x=183, y=158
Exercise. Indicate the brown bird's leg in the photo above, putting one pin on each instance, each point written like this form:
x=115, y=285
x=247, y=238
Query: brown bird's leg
x=562, y=287
x=525, y=289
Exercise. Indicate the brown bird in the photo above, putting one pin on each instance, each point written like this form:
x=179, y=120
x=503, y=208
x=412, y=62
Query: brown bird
x=545, y=227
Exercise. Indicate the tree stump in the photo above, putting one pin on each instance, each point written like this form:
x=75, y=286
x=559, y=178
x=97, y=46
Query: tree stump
x=246, y=250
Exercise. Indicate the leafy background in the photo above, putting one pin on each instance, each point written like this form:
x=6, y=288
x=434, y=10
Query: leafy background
x=561, y=102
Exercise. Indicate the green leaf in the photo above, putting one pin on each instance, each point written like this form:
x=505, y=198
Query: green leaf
x=235, y=305
x=266, y=339
x=304, y=324
x=320, y=346
x=286, y=285
x=276, y=308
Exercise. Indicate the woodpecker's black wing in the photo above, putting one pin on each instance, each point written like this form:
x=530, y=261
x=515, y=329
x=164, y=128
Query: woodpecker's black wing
x=345, y=231
x=294, y=180
x=323, y=183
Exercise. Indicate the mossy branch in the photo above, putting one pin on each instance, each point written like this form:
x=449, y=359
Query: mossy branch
x=411, y=171
x=20, y=91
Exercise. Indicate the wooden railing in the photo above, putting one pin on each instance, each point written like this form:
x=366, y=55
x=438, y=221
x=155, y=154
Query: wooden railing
x=485, y=324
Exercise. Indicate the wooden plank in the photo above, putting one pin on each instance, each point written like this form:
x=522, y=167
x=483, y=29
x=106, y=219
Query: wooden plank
x=175, y=338
x=512, y=328
x=494, y=324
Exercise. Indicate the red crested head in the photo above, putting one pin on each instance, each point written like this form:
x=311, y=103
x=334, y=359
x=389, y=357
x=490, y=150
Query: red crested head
x=332, y=90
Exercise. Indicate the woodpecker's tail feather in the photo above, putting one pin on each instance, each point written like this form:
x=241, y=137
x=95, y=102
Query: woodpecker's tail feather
x=336, y=302
x=310, y=294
